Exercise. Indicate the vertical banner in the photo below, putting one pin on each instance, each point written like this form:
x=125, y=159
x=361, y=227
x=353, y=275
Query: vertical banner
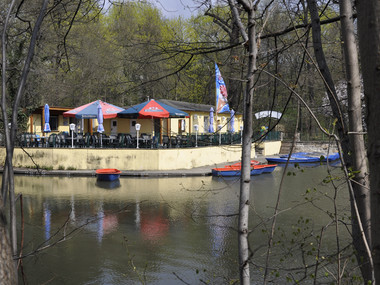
x=221, y=92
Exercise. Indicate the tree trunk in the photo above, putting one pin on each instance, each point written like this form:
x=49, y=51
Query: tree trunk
x=10, y=133
x=369, y=40
x=359, y=160
x=7, y=266
x=245, y=185
x=359, y=192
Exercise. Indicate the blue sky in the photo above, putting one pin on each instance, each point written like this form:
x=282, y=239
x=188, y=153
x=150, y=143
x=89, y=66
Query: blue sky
x=174, y=8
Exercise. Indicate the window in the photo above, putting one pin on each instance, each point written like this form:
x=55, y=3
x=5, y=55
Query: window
x=205, y=124
x=53, y=121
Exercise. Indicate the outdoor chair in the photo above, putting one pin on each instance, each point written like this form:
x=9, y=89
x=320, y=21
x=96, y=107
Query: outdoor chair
x=130, y=142
x=87, y=140
x=37, y=140
x=236, y=138
x=118, y=142
x=215, y=139
x=173, y=141
x=225, y=139
x=165, y=141
x=52, y=140
x=185, y=141
x=62, y=139
x=79, y=140
x=146, y=141
x=22, y=140
x=95, y=141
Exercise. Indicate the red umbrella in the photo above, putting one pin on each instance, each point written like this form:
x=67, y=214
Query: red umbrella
x=152, y=109
x=90, y=111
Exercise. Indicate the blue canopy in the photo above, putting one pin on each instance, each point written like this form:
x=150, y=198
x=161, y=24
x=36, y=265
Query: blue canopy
x=100, y=119
x=232, y=122
x=47, y=118
x=211, y=123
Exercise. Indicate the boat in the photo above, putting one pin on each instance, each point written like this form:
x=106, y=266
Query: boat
x=235, y=170
x=303, y=157
x=108, y=174
x=253, y=162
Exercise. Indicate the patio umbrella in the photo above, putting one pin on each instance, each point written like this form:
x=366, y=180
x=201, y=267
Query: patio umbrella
x=211, y=124
x=232, y=121
x=47, y=118
x=100, y=123
x=152, y=109
x=90, y=111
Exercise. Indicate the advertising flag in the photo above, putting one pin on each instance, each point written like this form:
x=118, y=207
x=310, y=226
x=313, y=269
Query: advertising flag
x=221, y=92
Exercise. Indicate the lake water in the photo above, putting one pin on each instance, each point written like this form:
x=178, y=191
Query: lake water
x=175, y=230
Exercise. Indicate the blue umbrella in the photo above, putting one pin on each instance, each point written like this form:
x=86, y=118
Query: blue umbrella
x=100, y=123
x=100, y=119
x=211, y=124
x=47, y=117
x=232, y=121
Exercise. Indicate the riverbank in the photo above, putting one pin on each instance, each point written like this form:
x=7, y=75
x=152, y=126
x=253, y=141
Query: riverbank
x=129, y=160
x=196, y=171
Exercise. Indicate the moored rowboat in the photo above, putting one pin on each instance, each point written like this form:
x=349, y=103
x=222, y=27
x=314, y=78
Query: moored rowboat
x=303, y=157
x=235, y=170
x=108, y=174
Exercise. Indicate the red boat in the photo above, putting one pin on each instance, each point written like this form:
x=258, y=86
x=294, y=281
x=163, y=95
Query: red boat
x=108, y=174
x=253, y=162
x=235, y=169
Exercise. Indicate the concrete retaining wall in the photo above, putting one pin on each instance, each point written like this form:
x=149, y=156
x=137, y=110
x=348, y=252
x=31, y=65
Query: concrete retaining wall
x=125, y=159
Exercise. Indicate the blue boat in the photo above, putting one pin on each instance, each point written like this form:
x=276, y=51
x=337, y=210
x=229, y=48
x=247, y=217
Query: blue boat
x=108, y=174
x=303, y=157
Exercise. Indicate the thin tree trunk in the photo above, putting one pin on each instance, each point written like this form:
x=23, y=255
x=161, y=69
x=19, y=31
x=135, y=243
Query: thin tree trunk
x=8, y=273
x=244, y=201
x=10, y=134
x=362, y=255
x=369, y=41
x=359, y=159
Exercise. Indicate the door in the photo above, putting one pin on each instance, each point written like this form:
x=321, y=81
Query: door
x=113, y=127
x=132, y=128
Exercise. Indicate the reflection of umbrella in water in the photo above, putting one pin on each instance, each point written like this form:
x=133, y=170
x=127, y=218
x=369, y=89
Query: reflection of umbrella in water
x=110, y=223
x=47, y=118
x=154, y=228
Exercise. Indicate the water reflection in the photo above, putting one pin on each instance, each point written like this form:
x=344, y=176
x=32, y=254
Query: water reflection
x=108, y=184
x=152, y=227
x=47, y=221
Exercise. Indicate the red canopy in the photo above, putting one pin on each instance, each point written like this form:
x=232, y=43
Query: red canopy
x=90, y=111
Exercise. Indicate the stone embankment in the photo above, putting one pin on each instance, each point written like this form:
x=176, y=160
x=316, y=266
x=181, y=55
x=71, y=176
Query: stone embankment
x=309, y=146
